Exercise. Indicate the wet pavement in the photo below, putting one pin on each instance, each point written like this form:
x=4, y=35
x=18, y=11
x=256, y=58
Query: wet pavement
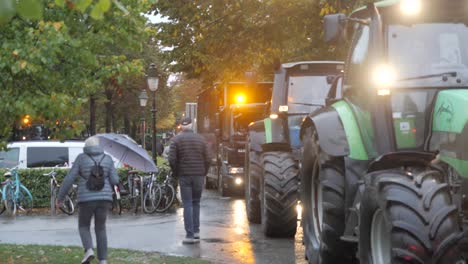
x=226, y=236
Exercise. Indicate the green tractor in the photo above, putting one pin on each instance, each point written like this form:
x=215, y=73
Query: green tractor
x=273, y=145
x=385, y=168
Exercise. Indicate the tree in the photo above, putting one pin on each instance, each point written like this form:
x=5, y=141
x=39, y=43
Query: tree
x=221, y=39
x=50, y=67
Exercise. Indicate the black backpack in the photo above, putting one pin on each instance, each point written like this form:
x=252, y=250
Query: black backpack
x=95, y=181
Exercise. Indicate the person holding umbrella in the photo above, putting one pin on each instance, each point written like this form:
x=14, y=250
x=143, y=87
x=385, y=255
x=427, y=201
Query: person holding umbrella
x=97, y=175
x=189, y=160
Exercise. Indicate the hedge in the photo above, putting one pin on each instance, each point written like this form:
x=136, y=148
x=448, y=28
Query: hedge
x=38, y=184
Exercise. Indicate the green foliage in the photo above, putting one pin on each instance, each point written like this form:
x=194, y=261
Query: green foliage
x=39, y=185
x=218, y=40
x=51, y=66
x=29, y=9
x=34, y=9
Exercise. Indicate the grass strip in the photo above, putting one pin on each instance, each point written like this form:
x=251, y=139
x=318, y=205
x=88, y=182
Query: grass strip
x=25, y=254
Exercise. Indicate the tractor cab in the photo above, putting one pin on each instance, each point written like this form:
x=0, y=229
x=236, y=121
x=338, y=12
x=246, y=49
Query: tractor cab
x=300, y=88
x=406, y=58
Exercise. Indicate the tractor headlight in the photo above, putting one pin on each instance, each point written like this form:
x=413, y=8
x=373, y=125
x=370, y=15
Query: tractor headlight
x=236, y=170
x=238, y=181
x=383, y=77
x=411, y=7
x=273, y=116
x=283, y=108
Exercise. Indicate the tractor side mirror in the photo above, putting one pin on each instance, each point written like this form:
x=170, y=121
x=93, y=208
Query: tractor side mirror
x=334, y=28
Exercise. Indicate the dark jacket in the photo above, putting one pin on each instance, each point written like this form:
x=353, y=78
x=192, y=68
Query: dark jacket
x=82, y=169
x=188, y=154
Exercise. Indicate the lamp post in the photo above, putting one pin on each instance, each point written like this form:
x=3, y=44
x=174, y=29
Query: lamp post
x=143, y=97
x=153, y=82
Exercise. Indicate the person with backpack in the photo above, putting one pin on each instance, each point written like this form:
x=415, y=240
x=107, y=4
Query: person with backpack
x=97, y=176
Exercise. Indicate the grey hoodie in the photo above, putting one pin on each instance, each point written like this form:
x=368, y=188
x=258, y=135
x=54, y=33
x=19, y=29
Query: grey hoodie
x=82, y=169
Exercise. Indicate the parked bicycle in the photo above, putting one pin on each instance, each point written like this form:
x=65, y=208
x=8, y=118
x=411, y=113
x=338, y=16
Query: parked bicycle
x=15, y=195
x=160, y=197
x=168, y=193
x=152, y=196
x=68, y=206
x=2, y=206
x=128, y=191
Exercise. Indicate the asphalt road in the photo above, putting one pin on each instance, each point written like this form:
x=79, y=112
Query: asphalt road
x=226, y=236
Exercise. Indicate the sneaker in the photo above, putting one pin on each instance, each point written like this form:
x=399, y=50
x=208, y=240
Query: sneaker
x=88, y=256
x=103, y=261
x=189, y=240
x=196, y=235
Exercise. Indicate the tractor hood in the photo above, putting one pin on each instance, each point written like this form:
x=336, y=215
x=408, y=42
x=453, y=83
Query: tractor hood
x=450, y=129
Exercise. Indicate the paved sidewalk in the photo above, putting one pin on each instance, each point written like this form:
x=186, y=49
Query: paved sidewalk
x=226, y=237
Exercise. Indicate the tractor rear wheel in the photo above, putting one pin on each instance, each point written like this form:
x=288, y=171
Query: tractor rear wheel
x=253, y=173
x=323, y=196
x=408, y=216
x=279, y=194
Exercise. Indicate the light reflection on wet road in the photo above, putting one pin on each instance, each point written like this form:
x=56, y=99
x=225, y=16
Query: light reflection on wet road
x=226, y=236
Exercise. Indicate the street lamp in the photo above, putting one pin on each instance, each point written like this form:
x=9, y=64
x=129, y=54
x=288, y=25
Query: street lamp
x=143, y=97
x=153, y=82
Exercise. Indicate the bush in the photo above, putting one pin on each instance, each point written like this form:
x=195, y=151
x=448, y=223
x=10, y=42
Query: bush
x=39, y=185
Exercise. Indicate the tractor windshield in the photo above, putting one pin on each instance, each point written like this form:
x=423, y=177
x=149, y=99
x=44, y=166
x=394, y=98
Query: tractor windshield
x=421, y=53
x=304, y=93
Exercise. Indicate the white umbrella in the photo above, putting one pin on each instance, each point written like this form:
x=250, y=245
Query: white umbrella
x=127, y=151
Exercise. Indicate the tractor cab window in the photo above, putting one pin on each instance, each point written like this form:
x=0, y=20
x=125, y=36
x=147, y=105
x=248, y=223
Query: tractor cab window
x=419, y=53
x=242, y=118
x=409, y=117
x=306, y=93
x=359, y=52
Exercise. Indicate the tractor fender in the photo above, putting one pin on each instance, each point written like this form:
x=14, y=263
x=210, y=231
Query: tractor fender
x=330, y=131
x=256, y=136
x=268, y=135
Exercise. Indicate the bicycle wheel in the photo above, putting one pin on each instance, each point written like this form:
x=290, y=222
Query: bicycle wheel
x=167, y=198
x=152, y=199
x=2, y=205
x=67, y=206
x=10, y=204
x=53, y=199
x=25, y=201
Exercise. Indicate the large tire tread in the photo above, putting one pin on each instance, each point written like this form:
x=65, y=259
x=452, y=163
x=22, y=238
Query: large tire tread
x=422, y=216
x=326, y=247
x=280, y=194
x=253, y=173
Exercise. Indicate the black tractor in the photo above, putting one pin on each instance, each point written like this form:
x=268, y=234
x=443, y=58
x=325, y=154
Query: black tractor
x=273, y=145
x=385, y=168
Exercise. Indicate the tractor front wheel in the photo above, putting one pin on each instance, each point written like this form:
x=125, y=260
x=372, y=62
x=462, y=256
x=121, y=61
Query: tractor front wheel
x=323, y=197
x=279, y=194
x=408, y=216
x=253, y=173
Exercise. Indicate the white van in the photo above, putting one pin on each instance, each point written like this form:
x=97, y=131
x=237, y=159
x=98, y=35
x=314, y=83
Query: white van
x=40, y=154
x=43, y=154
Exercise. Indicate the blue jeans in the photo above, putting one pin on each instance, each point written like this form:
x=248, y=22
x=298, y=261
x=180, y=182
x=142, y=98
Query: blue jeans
x=191, y=190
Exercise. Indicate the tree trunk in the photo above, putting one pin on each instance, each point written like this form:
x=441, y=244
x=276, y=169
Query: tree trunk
x=126, y=123
x=92, y=115
x=108, y=106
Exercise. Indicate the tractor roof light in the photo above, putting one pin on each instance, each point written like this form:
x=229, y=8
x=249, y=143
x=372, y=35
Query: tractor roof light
x=240, y=99
x=411, y=7
x=383, y=77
